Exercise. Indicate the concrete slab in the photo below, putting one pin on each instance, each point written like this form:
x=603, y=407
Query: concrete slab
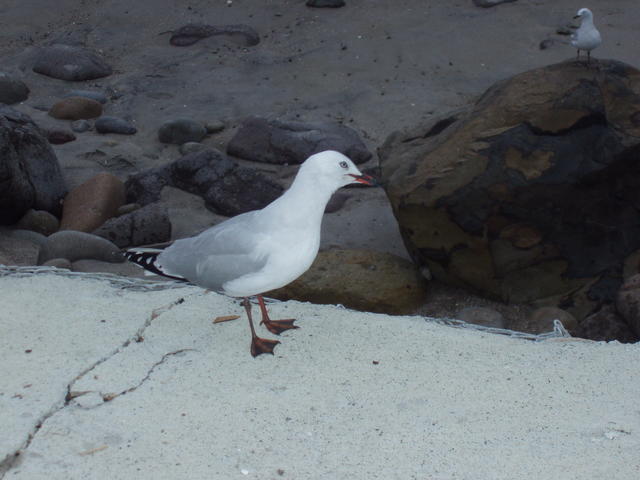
x=170, y=394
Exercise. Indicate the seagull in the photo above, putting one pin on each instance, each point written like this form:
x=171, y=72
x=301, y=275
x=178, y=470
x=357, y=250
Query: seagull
x=261, y=250
x=587, y=37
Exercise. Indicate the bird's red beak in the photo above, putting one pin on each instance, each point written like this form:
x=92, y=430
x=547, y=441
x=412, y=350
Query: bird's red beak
x=364, y=179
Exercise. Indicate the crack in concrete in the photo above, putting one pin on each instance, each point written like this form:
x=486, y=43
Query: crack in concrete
x=109, y=397
x=12, y=460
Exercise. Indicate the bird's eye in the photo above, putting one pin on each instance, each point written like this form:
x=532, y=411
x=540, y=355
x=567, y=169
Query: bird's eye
x=343, y=164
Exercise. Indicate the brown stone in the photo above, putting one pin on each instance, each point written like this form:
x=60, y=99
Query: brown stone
x=541, y=320
x=360, y=279
x=76, y=108
x=39, y=221
x=89, y=205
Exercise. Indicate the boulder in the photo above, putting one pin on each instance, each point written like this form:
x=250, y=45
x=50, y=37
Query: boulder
x=360, y=279
x=30, y=176
x=145, y=226
x=12, y=90
x=227, y=188
x=92, y=203
x=628, y=302
x=530, y=193
x=606, y=325
x=70, y=62
x=280, y=142
x=39, y=221
x=76, y=108
x=74, y=246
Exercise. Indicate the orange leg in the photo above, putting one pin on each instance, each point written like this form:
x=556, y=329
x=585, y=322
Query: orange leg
x=274, y=326
x=258, y=345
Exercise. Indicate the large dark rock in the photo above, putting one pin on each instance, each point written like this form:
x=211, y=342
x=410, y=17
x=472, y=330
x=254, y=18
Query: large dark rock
x=226, y=188
x=606, y=325
x=70, y=62
x=30, y=176
x=280, y=142
x=12, y=90
x=530, y=193
x=628, y=302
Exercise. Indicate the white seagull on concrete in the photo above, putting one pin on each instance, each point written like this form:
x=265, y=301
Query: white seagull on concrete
x=587, y=37
x=261, y=250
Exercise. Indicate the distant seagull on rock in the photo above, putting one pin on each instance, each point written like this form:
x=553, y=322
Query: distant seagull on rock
x=262, y=250
x=587, y=37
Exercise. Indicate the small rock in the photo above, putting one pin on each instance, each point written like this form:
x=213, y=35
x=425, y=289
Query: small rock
x=75, y=108
x=74, y=245
x=546, y=43
x=97, y=96
x=80, y=126
x=484, y=316
x=107, y=124
x=567, y=29
x=12, y=90
x=148, y=225
x=39, y=221
x=490, y=3
x=58, y=137
x=541, y=320
x=191, y=147
x=90, y=204
x=68, y=62
x=325, y=3
x=606, y=325
x=128, y=208
x=193, y=32
x=181, y=131
x=214, y=126
x=58, y=263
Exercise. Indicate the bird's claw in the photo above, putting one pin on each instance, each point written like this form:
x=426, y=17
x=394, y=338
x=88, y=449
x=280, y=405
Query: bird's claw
x=279, y=326
x=262, y=345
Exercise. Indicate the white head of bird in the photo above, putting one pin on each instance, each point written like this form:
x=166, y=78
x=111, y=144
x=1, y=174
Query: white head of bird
x=331, y=170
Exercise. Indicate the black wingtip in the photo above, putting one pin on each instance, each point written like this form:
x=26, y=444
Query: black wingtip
x=147, y=260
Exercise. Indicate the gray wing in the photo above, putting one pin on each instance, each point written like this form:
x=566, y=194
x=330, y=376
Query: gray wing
x=222, y=253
